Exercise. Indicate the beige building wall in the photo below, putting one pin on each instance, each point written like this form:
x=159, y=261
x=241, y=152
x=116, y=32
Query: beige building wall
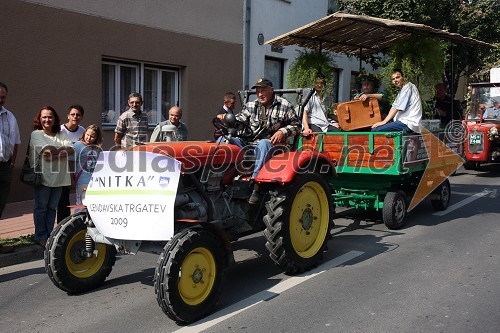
x=53, y=56
x=211, y=19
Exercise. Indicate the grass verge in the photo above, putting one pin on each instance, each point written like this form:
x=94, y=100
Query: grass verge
x=9, y=244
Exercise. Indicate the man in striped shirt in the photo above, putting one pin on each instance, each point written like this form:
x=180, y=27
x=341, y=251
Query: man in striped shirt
x=132, y=125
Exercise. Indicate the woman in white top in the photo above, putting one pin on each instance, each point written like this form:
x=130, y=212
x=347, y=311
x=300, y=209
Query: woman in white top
x=49, y=148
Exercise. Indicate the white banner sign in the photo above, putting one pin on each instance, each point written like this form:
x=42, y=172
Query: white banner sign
x=131, y=195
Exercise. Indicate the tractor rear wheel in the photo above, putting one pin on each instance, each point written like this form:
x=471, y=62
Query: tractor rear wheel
x=298, y=223
x=394, y=211
x=65, y=261
x=443, y=192
x=188, y=277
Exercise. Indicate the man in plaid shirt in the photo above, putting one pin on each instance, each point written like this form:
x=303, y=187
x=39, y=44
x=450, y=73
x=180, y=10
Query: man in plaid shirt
x=132, y=125
x=272, y=118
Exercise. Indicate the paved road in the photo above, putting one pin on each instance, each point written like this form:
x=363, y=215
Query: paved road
x=440, y=273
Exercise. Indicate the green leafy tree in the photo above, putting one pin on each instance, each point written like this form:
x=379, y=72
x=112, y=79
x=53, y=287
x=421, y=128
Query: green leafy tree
x=416, y=58
x=307, y=65
x=479, y=19
x=473, y=18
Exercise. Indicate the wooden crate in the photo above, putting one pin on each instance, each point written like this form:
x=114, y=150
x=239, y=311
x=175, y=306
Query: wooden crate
x=356, y=115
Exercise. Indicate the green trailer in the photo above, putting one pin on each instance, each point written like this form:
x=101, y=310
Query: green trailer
x=379, y=171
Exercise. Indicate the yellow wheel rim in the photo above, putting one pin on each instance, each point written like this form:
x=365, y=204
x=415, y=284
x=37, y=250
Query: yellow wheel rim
x=309, y=219
x=197, y=276
x=79, y=265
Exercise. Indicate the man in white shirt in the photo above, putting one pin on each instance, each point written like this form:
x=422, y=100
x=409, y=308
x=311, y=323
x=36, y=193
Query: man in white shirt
x=314, y=117
x=72, y=127
x=406, y=109
x=74, y=131
x=10, y=139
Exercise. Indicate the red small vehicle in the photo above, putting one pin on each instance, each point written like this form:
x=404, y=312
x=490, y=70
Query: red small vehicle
x=482, y=141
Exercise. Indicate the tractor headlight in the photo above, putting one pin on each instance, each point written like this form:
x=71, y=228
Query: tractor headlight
x=493, y=134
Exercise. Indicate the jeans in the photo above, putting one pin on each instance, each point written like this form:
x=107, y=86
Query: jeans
x=46, y=200
x=63, y=211
x=393, y=126
x=331, y=128
x=5, y=180
x=263, y=151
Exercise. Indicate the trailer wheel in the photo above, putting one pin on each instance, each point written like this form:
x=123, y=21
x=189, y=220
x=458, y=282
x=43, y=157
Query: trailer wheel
x=188, y=277
x=444, y=195
x=298, y=223
x=67, y=266
x=471, y=165
x=394, y=211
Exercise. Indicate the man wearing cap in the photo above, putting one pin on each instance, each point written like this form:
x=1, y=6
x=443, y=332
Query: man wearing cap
x=273, y=119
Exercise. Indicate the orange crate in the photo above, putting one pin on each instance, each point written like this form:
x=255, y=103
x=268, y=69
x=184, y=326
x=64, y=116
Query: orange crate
x=357, y=114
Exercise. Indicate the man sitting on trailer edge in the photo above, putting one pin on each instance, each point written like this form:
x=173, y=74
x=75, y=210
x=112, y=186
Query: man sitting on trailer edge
x=273, y=119
x=406, y=109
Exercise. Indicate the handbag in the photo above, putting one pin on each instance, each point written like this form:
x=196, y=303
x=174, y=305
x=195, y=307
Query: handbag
x=31, y=175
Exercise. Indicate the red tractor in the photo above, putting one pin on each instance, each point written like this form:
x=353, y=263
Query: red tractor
x=202, y=189
x=482, y=144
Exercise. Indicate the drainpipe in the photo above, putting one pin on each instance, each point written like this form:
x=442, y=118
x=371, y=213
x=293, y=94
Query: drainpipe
x=246, y=42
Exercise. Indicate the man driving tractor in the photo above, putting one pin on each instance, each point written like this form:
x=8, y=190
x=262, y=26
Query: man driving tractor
x=272, y=118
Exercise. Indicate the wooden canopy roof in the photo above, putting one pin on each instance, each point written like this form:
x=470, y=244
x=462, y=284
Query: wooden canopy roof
x=352, y=34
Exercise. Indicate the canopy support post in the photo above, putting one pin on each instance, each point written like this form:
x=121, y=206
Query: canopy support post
x=360, y=60
x=452, y=82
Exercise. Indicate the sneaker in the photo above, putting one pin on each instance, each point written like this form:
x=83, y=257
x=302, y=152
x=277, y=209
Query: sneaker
x=254, y=198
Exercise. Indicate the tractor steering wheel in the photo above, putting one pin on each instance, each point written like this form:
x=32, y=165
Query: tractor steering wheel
x=237, y=128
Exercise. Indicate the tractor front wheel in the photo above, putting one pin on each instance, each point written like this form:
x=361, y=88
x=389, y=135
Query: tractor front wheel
x=188, y=277
x=298, y=223
x=66, y=262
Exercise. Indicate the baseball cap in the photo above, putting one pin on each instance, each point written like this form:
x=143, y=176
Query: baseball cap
x=262, y=82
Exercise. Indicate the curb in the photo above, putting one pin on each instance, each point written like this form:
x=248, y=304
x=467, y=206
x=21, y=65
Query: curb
x=21, y=255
